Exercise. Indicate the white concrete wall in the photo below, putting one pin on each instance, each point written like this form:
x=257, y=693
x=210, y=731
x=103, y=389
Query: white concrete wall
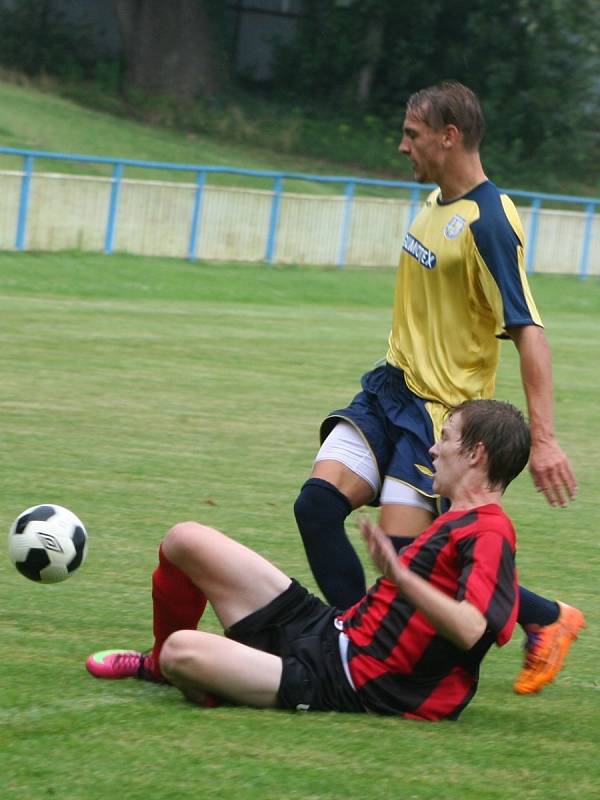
x=70, y=212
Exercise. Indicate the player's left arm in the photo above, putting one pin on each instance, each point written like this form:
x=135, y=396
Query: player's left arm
x=499, y=251
x=549, y=466
x=456, y=620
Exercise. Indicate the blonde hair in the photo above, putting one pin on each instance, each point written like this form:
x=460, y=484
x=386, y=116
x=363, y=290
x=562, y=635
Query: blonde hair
x=450, y=103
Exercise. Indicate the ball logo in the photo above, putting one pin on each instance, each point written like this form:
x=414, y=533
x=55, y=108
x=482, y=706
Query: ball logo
x=49, y=542
x=454, y=227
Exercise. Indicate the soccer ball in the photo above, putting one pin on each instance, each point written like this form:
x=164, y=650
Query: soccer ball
x=47, y=543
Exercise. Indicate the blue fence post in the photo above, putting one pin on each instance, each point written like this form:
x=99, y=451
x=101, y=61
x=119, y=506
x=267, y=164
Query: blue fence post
x=274, y=219
x=587, y=240
x=196, y=213
x=533, y=231
x=345, y=228
x=24, y=203
x=111, y=224
x=415, y=199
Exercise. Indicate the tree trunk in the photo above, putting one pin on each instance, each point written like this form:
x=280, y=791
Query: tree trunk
x=169, y=48
x=372, y=51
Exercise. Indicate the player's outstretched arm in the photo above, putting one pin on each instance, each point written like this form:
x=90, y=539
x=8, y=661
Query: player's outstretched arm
x=549, y=466
x=459, y=622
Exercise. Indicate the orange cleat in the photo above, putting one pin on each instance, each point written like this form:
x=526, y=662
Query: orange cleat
x=546, y=648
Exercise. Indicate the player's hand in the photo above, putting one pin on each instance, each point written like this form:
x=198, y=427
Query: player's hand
x=551, y=472
x=381, y=549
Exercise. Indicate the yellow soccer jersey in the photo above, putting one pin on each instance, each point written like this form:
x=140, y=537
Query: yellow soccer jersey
x=461, y=283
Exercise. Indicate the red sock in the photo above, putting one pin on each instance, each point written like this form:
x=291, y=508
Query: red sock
x=177, y=603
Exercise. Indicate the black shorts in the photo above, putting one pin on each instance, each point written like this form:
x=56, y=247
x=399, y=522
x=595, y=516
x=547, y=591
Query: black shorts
x=299, y=628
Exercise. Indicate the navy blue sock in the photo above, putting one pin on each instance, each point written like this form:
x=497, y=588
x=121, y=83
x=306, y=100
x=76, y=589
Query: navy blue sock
x=535, y=609
x=321, y=510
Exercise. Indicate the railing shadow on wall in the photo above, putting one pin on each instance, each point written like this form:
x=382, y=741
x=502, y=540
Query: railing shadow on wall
x=534, y=209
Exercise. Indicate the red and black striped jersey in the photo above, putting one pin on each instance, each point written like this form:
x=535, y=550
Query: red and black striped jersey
x=398, y=662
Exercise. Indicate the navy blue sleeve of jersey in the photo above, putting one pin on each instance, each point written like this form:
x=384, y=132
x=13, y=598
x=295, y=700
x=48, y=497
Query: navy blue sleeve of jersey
x=497, y=242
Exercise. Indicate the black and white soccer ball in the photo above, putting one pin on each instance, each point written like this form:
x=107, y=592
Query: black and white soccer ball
x=47, y=543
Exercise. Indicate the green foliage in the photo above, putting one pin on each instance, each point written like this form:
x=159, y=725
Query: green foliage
x=252, y=132
x=533, y=63
x=538, y=82
x=320, y=61
x=141, y=391
x=36, y=39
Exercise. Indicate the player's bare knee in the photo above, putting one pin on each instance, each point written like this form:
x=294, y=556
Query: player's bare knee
x=182, y=539
x=177, y=653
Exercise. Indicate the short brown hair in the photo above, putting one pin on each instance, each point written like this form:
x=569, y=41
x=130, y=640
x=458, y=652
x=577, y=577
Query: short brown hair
x=450, y=103
x=503, y=431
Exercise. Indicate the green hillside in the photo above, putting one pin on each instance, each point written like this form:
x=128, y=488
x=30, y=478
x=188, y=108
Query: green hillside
x=40, y=117
x=34, y=119
x=39, y=120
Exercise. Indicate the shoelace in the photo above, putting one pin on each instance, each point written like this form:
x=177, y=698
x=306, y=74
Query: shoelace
x=534, y=657
x=130, y=661
x=531, y=645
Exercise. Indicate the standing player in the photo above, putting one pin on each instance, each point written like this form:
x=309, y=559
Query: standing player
x=461, y=287
x=413, y=645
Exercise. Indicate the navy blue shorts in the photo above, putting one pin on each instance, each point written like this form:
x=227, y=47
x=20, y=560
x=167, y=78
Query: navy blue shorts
x=395, y=423
x=299, y=627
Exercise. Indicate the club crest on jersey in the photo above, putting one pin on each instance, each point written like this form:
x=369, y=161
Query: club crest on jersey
x=419, y=252
x=454, y=227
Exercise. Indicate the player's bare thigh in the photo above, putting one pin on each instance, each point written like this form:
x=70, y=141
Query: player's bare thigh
x=345, y=461
x=397, y=519
x=198, y=662
x=236, y=580
x=404, y=510
x=351, y=485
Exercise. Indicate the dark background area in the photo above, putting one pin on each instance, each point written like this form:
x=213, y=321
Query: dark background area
x=329, y=78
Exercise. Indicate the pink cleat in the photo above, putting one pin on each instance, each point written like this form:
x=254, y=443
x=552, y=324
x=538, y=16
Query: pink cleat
x=116, y=664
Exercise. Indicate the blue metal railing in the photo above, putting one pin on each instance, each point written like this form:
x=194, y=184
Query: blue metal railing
x=113, y=207
x=196, y=215
x=345, y=229
x=274, y=218
x=349, y=184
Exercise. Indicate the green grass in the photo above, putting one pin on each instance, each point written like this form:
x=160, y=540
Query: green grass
x=36, y=116
x=139, y=392
x=39, y=120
